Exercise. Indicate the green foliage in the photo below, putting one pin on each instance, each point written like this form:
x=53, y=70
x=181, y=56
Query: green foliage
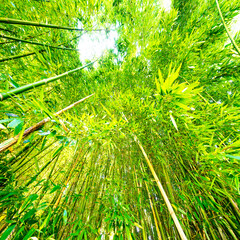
x=173, y=84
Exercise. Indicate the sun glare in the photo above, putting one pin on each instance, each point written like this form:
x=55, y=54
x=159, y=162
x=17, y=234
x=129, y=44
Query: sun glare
x=92, y=45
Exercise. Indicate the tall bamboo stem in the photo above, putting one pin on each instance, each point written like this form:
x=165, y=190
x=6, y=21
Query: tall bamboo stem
x=36, y=43
x=27, y=87
x=37, y=24
x=164, y=195
x=34, y=52
x=154, y=215
x=19, y=56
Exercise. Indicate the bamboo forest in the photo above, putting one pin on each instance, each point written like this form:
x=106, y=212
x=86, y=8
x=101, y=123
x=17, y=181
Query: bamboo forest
x=119, y=119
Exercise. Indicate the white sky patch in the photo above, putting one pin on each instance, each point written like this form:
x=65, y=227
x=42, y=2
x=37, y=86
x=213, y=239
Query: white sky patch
x=235, y=26
x=167, y=4
x=92, y=45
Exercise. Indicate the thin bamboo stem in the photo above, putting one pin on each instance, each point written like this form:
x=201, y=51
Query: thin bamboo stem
x=36, y=43
x=19, y=56
x=32, y=53
x=8, y=143
x=37, y=24
x=154, y=214
x=6, y=30
x=27, y=37
x=68, y=178
x=164, y=195
x=226, y=28
x=27, y=87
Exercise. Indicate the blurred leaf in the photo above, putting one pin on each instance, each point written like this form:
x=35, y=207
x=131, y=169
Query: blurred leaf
x=15, y=123
x=65, y=216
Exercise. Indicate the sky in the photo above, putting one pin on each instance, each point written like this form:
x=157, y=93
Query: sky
x=235, y=27
x=92, y=45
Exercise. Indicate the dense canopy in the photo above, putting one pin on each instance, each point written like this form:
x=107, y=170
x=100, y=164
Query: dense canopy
x=140, y=143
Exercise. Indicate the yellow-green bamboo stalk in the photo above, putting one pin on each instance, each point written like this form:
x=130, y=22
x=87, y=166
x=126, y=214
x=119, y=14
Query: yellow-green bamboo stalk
x=68, y=178
x=36, y=43
x=27, y=87
x=18, y=56
x=164, y=195
x=154, y=214
x=34, y=52
x=37, y=24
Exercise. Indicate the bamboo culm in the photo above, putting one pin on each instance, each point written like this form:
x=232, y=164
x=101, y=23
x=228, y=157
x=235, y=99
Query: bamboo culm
x=10, y=142
x=37, y=24
x=27, y=87
x=164, y=195
x=31, y=53
x=36, y=43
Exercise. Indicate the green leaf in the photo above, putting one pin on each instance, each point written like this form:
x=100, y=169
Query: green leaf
x=7, y=120
x=7, y=232
x=29, y=214
x=55, y=188
x=29, y=234
x=18, y=129
x=13, y=83
x=15, y=123
x=46, y=221
x=231, y=156
x=58, y=151
x=173, y=122
x=65, y=216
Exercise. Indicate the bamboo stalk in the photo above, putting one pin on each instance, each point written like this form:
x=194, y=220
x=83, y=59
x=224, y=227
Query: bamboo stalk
x=164, y=195
x=68, y=178
x=226, y=28
x=27, y=87
x=37, y=24
x=18, y=56
x=3, y=29
x=36, y=43
x=154, y=215
x=32, y=53
x=8, y=143
x=26, y=37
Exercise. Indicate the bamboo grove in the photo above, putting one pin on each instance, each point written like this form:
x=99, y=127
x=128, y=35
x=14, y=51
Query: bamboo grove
x=141, y=143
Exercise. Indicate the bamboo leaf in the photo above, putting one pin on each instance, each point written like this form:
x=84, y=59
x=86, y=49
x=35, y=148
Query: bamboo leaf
x=65, y=216
x=15, y=123
x=8, y=232
x=173, y=122
x=234, y=157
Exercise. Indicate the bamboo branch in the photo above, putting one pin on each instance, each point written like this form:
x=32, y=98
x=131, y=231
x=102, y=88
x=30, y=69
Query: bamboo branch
x=27, y=87
x=226, y=28
x=36, y=43
x=8, y=143
x=29, y=23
